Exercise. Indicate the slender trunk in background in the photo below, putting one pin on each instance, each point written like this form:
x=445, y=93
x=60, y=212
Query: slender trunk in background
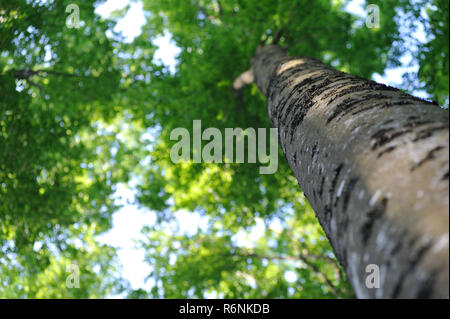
x=374, y=164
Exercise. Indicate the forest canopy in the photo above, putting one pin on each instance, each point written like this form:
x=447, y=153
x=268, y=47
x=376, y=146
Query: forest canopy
x=77, y=104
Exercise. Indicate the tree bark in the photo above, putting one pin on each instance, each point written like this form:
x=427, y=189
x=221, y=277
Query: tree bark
x=374, y=164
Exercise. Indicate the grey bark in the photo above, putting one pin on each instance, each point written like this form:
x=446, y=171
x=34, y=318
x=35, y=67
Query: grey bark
x=374, y=164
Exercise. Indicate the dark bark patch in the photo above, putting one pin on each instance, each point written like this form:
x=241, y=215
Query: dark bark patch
x=322, y=183
x=363, y=85
x=341, y=82
x=426, y=287
x=282, y=81
x=397, y=248
x=383, y=105
x=348, y=192
x=327, y=214
x=413, y=117
x=413, y=262
x=386, y=151
x=314, y=194
x=415, y=123
x=429, y=132
x=271, y=89
x=305, y=102
x=372, y=217
x=348, y=105
x=388, y=122
x=335, y=179
x=297, y=89
x=430, y=156
x=289, y=105
x=386, y=135
x=314, y=150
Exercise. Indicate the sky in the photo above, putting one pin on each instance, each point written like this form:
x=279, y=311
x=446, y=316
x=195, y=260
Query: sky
x=128, y=221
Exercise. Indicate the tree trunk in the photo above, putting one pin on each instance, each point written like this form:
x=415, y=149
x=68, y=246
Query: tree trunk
x=374, y=164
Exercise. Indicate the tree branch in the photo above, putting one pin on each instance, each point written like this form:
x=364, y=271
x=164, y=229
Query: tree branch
x=319, y=273
x=219, y=7
x=25, y=74
x=57, y=73
x=241, y=81
x=300, y=257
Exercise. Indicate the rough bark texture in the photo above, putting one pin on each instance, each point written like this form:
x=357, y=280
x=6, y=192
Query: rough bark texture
x=374, y=164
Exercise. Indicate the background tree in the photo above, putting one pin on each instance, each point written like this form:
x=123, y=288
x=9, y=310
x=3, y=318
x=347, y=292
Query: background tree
x=55, y=163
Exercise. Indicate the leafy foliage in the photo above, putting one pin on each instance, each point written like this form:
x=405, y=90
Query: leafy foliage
x=55, y=166
x=432, y=56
